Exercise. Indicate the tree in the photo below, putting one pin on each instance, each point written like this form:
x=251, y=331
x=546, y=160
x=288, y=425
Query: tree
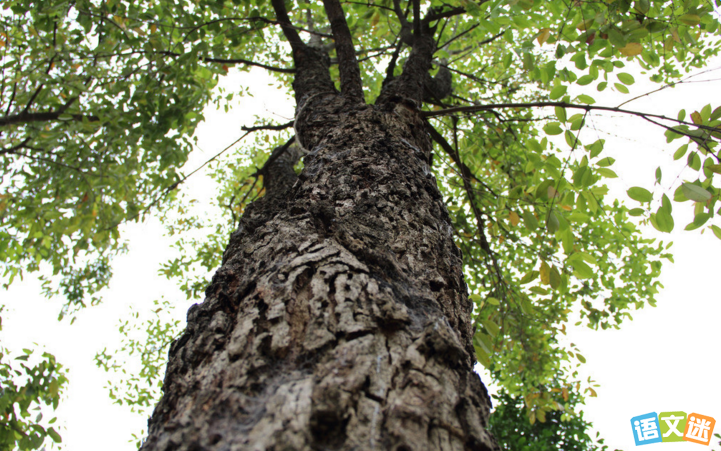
x=340, y=316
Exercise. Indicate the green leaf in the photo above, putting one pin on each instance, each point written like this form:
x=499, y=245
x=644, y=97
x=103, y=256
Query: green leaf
x=561, y=113
x=625, y=78
x=640, y=194
x=690, y=19
x=552, y=223
x=680, y=152
x=588, y=100
x=557, y=92
x=605, y=162
x=695, y=192
x=621, y=88
x=716, y=231
x=54, y=435
x=636, y=212
x=553, y=128
x=530, y=220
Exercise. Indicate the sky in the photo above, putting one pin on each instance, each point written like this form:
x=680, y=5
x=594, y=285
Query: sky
x=666, y=359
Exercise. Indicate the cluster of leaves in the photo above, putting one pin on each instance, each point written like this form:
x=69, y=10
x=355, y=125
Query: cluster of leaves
x=561, y=430
x=99, y=100
x=139, y=364
x=24, y=390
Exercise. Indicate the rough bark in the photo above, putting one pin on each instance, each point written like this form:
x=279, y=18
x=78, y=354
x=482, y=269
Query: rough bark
x=339, y=319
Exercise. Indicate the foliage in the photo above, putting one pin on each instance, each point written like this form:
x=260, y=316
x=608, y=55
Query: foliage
x=23, y=392
x=560, y=430
x=101, y=99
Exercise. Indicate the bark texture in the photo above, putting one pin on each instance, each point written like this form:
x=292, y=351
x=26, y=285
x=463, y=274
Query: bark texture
x=339, y=319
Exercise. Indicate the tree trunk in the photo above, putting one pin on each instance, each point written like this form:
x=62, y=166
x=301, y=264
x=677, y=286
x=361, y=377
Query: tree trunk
x=339, y=319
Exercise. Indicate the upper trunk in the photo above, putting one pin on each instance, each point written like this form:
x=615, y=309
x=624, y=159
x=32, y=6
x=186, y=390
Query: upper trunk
x=340, y=318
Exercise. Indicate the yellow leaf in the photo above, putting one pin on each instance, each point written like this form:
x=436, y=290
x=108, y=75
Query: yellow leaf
x=374, y=20
x=543, y=35
x=514, y=218
x=545, y=273
x=585, y=24
x=566, y=207
x=631, y=49
x=153, y=28
x=696, y=118
x=674, y=34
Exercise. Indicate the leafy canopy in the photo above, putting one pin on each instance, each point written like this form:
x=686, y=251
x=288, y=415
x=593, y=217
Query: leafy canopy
x=101, y=98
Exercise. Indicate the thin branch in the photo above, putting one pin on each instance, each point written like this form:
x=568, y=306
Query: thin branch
x=268, y=127
x=437, y=15
x=43, y=117
x=464, y=170
x=296, y=43
x=12, y=149
x=235, y=61
x=173, y=186
x=274, y=156
x=493, y=106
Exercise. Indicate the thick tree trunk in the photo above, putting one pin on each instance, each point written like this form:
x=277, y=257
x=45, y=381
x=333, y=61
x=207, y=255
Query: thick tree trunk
x=339, y=319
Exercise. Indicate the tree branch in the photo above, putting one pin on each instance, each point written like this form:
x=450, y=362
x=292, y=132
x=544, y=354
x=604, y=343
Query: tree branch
x=351, y=85
x=26, y=118
x=267, y=127
x=236, y=61
x=493, y=106
x=296, y=43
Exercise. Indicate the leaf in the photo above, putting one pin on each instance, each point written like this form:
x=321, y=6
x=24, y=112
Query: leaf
x=493, y=301
x=631, y=49
x=716, y=231
x=695, y=192
x=608, y=173
x=680, y=152
x=514, y=218
x=690, y=19
x=625, y=78
x=561, y=113
x=553, y=128
x=54, y=435
x=714, y=168
x=636, y=212
x=588, y=100
x=640, y=194
x=543, y=35
x=604, y=162
x=581, y=270
x=696, y=118
x=552, y=223
x=557, y=92
x=554, y=278
x=621, y=88
x=545, y=272
x=530, y=220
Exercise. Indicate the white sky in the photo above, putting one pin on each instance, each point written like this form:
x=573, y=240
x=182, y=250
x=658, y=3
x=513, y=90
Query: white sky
x=666, y=359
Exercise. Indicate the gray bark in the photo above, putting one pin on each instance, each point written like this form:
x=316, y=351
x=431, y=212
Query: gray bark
x=339, y=319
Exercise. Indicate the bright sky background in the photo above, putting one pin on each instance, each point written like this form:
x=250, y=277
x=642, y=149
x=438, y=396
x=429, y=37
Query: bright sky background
x=666, y=359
